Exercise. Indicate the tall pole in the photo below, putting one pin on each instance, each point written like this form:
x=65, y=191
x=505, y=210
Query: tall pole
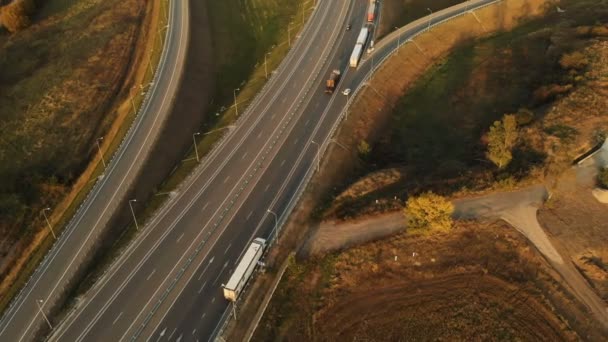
x=38, y=302
x=195, y=147
x=133, y=104
x=276, y=223
x=430, y=16
x=236, y=107
x=133, y=212
x=318, y=151
x=48, y=223
x=289, y=34
x=266, y=65
x=398, y=37
x=101, y=153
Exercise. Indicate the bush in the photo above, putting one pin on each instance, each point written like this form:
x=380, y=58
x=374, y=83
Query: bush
x=602, y=178
x=563, y=132
x=15, y=16
x=364, y=149
x=429, y=212
x=524, y=116
x=574, y=60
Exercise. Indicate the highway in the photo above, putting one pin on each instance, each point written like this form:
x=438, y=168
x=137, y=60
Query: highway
x=22, y=320
x=167, y=283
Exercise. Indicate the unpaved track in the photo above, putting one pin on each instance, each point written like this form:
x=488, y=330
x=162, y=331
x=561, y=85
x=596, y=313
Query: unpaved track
x=518, y=208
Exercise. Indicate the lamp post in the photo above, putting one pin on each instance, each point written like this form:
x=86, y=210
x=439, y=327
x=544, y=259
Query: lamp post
x=236, y=107
x=100, y=152
x=195, y=147
x=276, y=223
x=266, y=64
x=289, y=34
x=318, y=151
x=133, y=212
x=398, y=37
x=39, y=302
x=48, y=223
x=430, y=16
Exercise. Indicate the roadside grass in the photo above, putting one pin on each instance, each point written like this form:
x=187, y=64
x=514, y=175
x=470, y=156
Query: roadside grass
x=397, y=13
x=436, y=130
x=62, y=105
x=239, y=49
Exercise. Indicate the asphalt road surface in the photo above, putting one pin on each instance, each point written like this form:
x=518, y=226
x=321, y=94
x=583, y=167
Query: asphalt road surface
x=167, y=284
x=23, y=319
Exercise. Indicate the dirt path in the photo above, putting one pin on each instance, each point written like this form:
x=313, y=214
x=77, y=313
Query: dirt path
x=518, y=208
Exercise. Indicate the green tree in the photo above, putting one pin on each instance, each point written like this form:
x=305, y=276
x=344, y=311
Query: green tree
x=501, y=140
x=602, y=177
x=364, y=149
x=429, y=211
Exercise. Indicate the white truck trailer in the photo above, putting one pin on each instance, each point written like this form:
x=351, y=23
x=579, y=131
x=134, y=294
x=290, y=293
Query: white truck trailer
x=362, y=38
x=356, y=55
x=243, y=271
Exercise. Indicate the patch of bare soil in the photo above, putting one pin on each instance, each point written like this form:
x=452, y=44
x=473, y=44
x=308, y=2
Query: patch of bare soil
x=483, y=281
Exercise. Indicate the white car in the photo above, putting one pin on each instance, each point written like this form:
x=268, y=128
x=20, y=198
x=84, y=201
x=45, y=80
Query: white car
x=346, y=91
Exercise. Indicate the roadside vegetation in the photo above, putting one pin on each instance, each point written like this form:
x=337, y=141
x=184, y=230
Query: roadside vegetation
x=397, y=13
x=602, y=178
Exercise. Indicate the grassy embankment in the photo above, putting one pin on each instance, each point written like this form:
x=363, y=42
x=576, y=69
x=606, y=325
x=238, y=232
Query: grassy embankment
x=397, y=13
x=67, y=81
x=240, y=43
x=434, y=138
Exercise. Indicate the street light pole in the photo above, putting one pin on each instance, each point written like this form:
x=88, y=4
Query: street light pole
x=289, y=34
x=195, y=147
x=38, y=302
x=276, y=223
x=430, y=16
x=236, y=107
x=318, y=151
x=48, y=223
x=398, y=37
x=133, y=212
x=101, y=153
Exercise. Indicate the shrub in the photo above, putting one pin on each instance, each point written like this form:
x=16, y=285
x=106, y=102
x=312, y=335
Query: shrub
x=563, y=132
x=364, y=149
x=15, y=16
x=574, y=60
x=429, y=212
x=524, y=116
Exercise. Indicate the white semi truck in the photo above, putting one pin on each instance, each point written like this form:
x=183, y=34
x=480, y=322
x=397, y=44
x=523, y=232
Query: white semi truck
x=356, y=55
x=245, y=268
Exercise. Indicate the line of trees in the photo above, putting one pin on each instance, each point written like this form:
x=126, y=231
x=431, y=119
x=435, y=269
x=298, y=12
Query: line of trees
x=16, y=15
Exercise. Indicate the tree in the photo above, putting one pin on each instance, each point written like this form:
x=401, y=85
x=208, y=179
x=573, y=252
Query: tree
x=429, y=211
x=602, y=177
x=364, y=149
x=501, y=140
x=15, y=16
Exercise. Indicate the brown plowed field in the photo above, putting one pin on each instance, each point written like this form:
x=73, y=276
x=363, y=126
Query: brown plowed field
x=481, y=282
x=463, y=307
